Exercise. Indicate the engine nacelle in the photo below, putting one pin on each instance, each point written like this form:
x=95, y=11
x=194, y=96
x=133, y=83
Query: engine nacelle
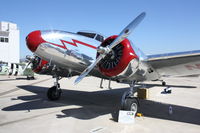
x=39, y=65
x=121, y=61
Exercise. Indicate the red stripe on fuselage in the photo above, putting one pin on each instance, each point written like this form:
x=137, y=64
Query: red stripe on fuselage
x=72, y=43
x=88, y=45
x=63, y=42
x=64, y=47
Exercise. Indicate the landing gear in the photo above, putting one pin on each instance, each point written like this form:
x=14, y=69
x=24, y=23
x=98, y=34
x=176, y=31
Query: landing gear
x=30, y=77
x=163, y=83
x=109, y=84
x=101, y=83
x=54, y=92
x=129, y=102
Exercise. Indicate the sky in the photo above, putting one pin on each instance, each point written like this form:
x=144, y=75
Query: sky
x=169, y=25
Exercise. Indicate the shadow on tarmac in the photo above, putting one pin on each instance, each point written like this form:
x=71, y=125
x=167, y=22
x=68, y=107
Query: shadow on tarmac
x=94, y=104
x=161, y=111
x=13, y=79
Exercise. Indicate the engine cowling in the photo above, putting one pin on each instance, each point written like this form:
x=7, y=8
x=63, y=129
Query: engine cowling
x=118, y=60
x=38, y=65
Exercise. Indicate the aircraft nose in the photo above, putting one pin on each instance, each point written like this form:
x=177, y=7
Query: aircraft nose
x=33, y=40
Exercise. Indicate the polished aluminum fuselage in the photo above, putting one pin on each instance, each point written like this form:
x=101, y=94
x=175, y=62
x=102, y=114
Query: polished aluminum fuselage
x=74, y=58
x=74, y=53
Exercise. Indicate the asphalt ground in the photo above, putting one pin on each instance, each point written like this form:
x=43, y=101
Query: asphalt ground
x=86, y=108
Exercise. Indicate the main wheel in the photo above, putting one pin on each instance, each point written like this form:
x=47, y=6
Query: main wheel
x=53, y=93
x=130, y=104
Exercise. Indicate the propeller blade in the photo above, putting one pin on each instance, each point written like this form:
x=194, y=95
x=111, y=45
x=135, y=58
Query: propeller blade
x=123, y=34
x=127, y=31
x=88, y=69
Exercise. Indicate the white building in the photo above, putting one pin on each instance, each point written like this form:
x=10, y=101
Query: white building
x=9, y=42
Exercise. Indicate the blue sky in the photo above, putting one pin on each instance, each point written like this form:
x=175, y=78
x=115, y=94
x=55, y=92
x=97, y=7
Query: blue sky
x=169, y=26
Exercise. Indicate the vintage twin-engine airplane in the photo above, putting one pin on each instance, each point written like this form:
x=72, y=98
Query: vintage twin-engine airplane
x=65, y=54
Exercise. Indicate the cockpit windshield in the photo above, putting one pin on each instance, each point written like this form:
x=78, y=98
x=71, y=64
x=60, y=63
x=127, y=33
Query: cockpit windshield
x=92, y=35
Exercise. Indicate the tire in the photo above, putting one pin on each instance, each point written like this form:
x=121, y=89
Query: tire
x=54, y=93
x=163, y=83
x=131, y=104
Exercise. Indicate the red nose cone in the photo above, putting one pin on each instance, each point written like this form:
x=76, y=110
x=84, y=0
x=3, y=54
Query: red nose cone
x=33, y=40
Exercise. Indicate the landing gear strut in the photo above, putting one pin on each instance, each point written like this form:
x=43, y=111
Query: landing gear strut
x=163, y=83
x=128, y=101
x=54, y=92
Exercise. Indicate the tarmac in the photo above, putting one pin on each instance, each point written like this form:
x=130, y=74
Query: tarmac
x=86, y=108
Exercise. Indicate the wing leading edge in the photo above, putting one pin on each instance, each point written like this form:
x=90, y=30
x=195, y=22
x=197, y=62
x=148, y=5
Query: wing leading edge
x=176, y=64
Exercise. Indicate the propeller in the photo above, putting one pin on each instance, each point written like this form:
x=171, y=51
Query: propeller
x=103, y=51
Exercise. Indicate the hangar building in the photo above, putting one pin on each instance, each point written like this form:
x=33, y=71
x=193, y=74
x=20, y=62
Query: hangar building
x=9, y=42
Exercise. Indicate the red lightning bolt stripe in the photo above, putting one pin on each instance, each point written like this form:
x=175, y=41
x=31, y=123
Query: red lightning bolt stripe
x=63, y=42
x=64, y=47
x=76, y=41
x=88, y=45
x=72, y=43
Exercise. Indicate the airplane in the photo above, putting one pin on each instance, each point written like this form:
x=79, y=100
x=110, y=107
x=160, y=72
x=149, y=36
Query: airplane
x=116, y=58
x=16, y=69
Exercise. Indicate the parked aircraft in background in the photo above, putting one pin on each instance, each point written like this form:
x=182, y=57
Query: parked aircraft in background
x=66, y=54
x=16, y=69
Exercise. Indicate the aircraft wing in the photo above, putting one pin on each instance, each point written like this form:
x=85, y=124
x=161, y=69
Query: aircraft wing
x=176, y=64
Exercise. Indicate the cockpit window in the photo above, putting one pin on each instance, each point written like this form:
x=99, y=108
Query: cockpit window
x=99, y=38
x=90, y=35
